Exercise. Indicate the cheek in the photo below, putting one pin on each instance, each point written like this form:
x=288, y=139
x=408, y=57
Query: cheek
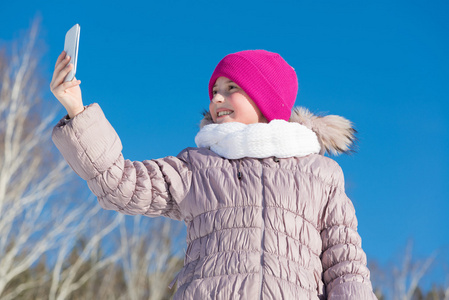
x=212, y=111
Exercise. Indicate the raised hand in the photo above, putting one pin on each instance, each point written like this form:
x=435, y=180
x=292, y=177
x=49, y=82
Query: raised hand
x=68, y=93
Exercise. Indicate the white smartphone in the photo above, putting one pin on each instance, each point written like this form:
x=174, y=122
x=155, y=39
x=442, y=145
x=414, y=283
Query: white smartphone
x=71, y=43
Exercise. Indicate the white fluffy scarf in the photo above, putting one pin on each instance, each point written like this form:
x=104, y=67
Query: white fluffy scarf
x=278, y=138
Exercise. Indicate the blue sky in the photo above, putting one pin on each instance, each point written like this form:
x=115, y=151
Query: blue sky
x=382, y=64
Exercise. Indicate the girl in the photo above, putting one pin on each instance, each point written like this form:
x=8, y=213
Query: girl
x=266, y=212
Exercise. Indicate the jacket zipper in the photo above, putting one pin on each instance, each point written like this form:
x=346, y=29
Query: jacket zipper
x=239, y=173
x=262, y=234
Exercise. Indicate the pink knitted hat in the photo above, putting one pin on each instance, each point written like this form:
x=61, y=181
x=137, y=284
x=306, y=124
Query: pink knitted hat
x=265, y=76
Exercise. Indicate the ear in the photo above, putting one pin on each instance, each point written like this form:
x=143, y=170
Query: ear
x=335, y=133
x=207, y=119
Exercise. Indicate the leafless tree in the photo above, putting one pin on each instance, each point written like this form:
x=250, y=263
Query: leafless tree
x=75, y=275
x=408, y=276
x=401, y=282
x=446, y=289
x=32, y=221
x=150, y=256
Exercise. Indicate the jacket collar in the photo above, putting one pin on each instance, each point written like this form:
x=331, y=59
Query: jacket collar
x=278, y=138
x=336, y=135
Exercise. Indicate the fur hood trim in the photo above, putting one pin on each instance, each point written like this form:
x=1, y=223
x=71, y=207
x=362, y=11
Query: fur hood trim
x=335, y=133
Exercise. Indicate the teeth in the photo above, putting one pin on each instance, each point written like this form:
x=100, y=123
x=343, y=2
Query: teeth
x=222, y=113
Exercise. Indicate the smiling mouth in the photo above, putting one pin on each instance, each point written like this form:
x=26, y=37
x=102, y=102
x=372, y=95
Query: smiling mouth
x=224, y=113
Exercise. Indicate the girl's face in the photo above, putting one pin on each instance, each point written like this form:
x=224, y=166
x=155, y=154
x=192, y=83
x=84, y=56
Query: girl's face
x=231, y=104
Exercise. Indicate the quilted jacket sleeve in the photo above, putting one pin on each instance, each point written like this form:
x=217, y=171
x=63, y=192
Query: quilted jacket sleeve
x=346, y=275
x=93, y=150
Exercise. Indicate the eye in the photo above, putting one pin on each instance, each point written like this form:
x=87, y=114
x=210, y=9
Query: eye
x=214, y=93
x=231, y=87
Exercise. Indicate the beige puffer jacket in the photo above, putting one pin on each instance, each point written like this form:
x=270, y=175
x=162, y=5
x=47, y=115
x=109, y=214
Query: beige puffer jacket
x=256, y=228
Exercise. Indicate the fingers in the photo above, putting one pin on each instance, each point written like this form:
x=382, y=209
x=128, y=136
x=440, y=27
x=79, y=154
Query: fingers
x=61, y=88
x=60, y=57
x=58, y=86
x=70, y=84
x=60, y=73
x=60, y=65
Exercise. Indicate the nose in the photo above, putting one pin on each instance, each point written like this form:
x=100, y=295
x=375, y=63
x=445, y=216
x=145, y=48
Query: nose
x=218, y=98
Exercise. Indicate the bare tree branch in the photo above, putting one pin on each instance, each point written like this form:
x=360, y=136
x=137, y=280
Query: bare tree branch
x=31, y=176
x=70, y=284
x=407, y=278
x=150, y=259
